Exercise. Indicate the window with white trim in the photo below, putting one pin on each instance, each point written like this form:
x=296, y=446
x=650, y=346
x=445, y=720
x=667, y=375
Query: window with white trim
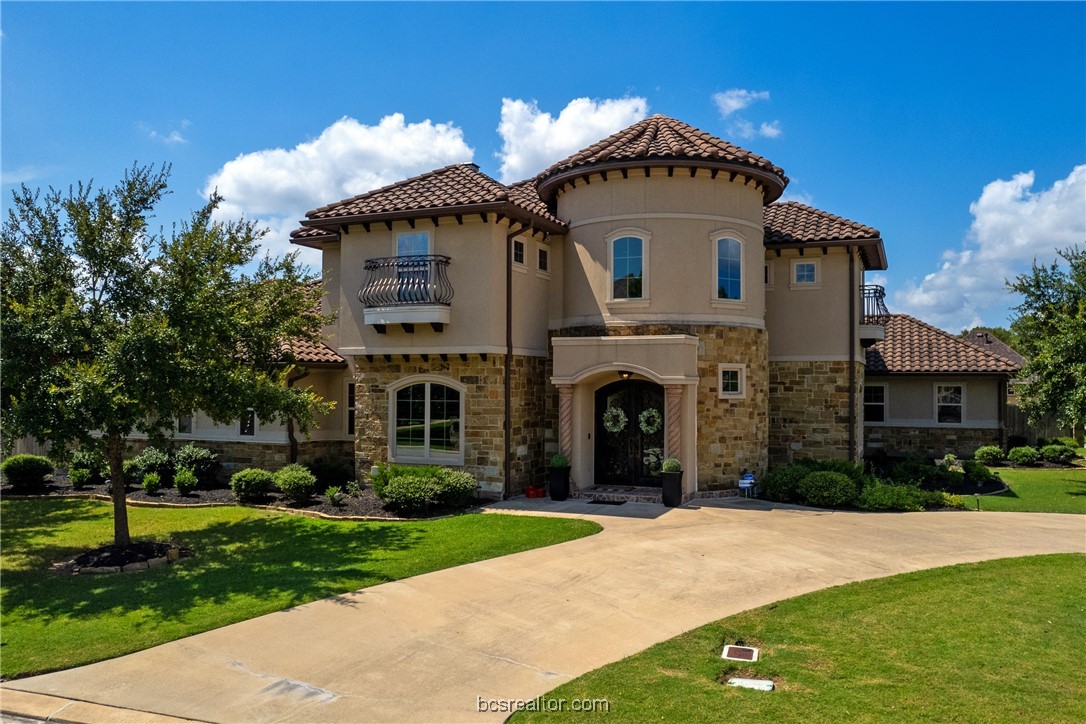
x=729, y=269
x=627, y=268
x=415, y=243
x=804, y=273
x=184, y=425
x=731, y=380
x=874, y=403
x=949, y=404
x=518, y=251
x=544, y=259
x=427, y=423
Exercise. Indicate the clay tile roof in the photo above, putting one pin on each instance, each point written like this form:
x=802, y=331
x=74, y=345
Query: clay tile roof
x=791, y=222
x=913, y=347
x=525, y=195
x=310, y=234
x=662, y=138
x=458, y=185
x=305, y=352
x=987, y=341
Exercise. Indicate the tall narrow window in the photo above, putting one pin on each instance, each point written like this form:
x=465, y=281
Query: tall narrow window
x=729, y=269
x=428, y=423
x=949, y=401
x=413, y=273
x=627, y=269
x=518, y=251
x=874, y=403
x=544, y=260
x=350, y=408
x=248, y=424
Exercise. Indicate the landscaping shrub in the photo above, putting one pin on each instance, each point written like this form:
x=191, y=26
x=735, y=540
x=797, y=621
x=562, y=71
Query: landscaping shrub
x=331, y=492
x=93, y=462
x=251, y=484
x=1024, y=455
x=434, y=488
x=1057, y=454
x=828, y=489
x=331, y=471
x=782, y=484
x=79, y=477
x=203, y=463
x=883, y=496
x=1067, y=442
x=385, y=472
x=185, y=481
x=152, y=483
x=295, y=482
x=977, y=473
x=915, y=470
x=936, y=499
x=989, y=455
x=27, y=472
x=151, y=460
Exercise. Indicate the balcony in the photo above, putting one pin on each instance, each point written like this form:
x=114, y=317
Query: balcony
x=876, y=315
x=406, y=290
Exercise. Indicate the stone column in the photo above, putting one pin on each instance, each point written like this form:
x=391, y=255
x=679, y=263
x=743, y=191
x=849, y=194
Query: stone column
x=565, y=419
x=673, y=395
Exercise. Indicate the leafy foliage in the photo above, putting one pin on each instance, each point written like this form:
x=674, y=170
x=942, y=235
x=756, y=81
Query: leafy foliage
x=989, y=455
x=91, y=461
x=1051, y=329
x=420, y=489
x=152, y=460
x=251, y=484
x=976, y=472
x=671, y=465
x=202, y=462
x=559, y=460
x=384, y=473
x=109, y=326
x=331, y=471
x=1024, y=455
x=884, y=496
x=295, y=482
x=828, y=489
x=152, y=483
x=1057, y=454
x=185, y=481
x=26, y=472
x=332, y=493
x=79, y=478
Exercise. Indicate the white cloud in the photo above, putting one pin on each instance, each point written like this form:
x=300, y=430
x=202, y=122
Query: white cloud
x=737, y=99
x=1012, y=226
x=532, y=139
x=21, y=175
x=799, y=196
x=770, y=130
x=277, y=186
x=744, y=129
x=172, y=137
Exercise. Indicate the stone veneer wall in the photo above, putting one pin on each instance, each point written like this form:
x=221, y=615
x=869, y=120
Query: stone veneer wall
x=484, y=412
x=933, y=442
x=808, y=407
x=733, y=435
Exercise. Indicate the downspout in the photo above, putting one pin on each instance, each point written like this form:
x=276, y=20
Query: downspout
x=290, y=420
x=508, y=372
x=851, y=354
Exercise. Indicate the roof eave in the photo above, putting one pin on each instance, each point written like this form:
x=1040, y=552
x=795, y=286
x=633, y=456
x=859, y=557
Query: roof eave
x=871, y=248
x=506, y=208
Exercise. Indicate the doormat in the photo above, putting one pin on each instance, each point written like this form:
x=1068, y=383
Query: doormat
x=607, y=502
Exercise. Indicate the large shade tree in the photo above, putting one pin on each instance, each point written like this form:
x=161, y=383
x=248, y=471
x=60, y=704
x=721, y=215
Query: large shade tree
x=109, y=329
x=1050, y=326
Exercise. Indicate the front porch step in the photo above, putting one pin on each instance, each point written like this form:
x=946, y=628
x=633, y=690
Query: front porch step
x=620, y=493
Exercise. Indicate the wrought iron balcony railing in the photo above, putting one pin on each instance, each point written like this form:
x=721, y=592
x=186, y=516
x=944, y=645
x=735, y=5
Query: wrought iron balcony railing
x=396, y=281
x=875, y=311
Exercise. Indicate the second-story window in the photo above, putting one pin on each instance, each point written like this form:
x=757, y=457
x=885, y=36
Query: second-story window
x=413, y=276
x=729, y=269
x=544, y=260
x=416, y=243
x=627, y=268
x=518, y=251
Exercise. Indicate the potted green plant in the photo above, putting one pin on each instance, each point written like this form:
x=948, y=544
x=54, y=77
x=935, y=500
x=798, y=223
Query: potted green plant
x=558, y=477
x=671, y=476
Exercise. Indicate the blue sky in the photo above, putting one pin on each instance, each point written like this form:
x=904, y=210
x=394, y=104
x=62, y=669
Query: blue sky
x=957, y=130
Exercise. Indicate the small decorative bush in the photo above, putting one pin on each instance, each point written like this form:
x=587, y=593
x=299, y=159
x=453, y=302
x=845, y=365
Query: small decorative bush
x=331, y=471
x=418, y=493
x=1024, y=455
x=251, y=484
x=295, y=482
x=93, y=462
x=1067, y=442
x=826, y=489
x=937, y=499
x=385, y=472
x=1057, y=454
x=151, y=460
x=203, y=463
x=671, y=465
x=559, y=460
x=332, y=493
x=354, y=488
x=79, y=478
x=782, y=484
x=976, y=472
x=949, y=460
x=882, y=496
x=989, y=455
x=185, y=481
x=457, y=488
x=152, y=483
x=27, y=472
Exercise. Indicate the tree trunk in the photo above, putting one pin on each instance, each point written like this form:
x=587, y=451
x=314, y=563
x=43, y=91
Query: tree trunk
x=114, y=454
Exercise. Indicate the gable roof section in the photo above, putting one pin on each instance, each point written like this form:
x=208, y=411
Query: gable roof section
x=914, y=347
x=987, y=341
x=459, y=189
x=310, y=354
x=660, y=141
x=790, y=225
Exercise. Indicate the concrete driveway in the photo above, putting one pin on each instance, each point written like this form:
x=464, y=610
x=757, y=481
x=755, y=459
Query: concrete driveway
x=430, y=648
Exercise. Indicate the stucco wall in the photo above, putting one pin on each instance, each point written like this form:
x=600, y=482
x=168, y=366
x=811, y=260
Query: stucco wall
x=911, y=400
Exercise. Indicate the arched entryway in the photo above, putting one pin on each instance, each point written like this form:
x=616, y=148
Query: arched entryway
x=630, y=438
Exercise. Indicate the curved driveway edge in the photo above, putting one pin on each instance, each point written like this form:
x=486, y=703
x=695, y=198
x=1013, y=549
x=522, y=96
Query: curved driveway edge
x=430, y=648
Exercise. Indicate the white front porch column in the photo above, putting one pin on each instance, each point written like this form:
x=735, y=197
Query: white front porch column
x=673, y=395
x=565, y=420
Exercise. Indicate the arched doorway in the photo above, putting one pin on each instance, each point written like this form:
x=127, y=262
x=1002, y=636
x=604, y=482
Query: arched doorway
x=629, y=453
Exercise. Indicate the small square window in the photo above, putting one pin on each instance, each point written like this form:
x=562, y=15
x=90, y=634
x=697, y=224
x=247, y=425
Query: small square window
x=806, y=272
x=184, y=424
x=729, y=382
x=731, y=379
x=518, y=251
x=544, y=260
x=248, y=424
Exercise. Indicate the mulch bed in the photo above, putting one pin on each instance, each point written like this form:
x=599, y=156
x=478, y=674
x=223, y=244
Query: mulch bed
x=109, y=556
x=365, y=504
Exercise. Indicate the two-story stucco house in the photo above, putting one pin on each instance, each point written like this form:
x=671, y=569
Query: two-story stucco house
x=644, y=298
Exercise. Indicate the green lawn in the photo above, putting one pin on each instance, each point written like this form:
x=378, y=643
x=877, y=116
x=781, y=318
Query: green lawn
x=1038, y=491
x=247, y=562
x=1000, y=641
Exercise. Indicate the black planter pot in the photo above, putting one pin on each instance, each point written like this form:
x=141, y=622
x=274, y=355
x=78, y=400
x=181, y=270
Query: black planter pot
x=558, y=483
x=673, y=488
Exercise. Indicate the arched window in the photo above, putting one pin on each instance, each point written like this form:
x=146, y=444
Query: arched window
x=729, y=269
x=627, y=268
x=426, y=421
